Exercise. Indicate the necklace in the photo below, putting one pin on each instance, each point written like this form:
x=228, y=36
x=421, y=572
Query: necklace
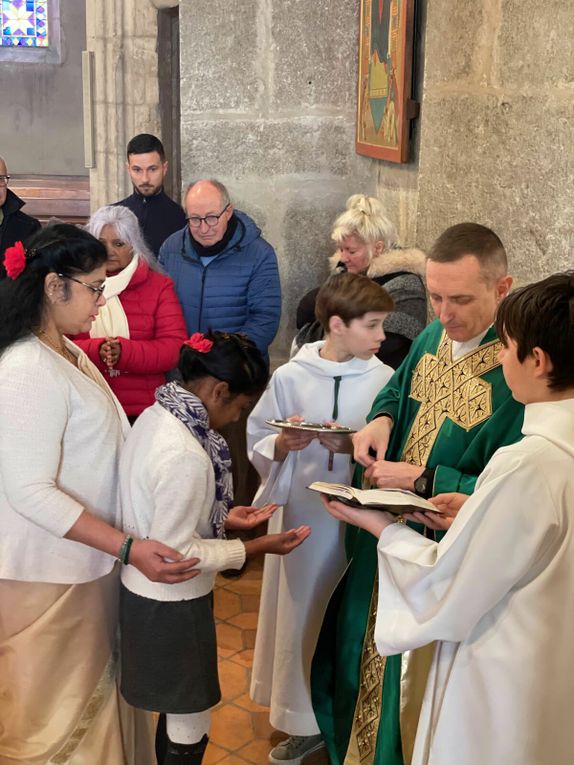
x=61, y=350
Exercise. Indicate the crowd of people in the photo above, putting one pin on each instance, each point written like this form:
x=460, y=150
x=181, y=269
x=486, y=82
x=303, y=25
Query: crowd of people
x=143, y=441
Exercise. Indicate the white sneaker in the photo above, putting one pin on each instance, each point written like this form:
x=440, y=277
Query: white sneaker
x=294, y=749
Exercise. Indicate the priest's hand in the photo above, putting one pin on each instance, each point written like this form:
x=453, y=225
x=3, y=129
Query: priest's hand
x=242, y=518
x=374, y=437
x=393, y=475
x=448, y=503
x=373, y=521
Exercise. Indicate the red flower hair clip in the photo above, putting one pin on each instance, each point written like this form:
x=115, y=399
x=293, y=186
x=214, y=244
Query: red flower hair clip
x=199, y=343
x=15, y=260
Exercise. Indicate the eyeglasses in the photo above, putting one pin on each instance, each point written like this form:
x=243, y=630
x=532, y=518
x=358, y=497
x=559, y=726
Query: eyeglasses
x=211, y=220
x=99, y=291
x=4, y=180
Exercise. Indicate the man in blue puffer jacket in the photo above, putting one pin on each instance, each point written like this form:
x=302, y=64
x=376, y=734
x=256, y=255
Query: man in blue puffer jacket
x=225, y=273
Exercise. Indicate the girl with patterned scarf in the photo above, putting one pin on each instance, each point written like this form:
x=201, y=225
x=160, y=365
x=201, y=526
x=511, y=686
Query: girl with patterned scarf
x=175, y=477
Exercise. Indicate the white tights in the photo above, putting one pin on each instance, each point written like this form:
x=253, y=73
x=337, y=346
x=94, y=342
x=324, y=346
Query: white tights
x=188, y=729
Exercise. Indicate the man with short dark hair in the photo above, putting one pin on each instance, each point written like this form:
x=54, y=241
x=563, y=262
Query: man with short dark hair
x=158, y=215
x=14, y=224
x=432, y=429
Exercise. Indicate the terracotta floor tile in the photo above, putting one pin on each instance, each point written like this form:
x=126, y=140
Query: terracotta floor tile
x=247, y=703
x=244, y=586
x=229, y=636
x=226, y=604
x=231, y=727
x=256, y=751
x=261, y=725
x=213, y=754
x=250, y=603
x=245, y=658
x=244, y=621
x=249, y=638
x=225, y=653
x=317, y=758
x=233, y=760
x=233, y=679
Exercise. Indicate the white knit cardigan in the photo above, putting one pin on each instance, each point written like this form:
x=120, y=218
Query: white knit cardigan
x=60, y=437
x=167, y=490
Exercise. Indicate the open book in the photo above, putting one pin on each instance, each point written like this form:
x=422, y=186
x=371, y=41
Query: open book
x=395, y=501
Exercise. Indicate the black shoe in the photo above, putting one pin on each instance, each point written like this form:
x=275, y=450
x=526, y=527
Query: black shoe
x=185, y=754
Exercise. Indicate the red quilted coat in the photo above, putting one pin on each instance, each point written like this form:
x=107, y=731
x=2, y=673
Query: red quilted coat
x=157, y=332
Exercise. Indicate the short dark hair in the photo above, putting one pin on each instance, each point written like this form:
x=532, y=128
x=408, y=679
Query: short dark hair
x=541, y=315
x=233, y=358
x=145, y=143
x=471, y=239
x=61, y=249
x=350, y=296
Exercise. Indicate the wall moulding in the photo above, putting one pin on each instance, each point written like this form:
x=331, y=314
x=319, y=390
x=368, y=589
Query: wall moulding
x=163, y=4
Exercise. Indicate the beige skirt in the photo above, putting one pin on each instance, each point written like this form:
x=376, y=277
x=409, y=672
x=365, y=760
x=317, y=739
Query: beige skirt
x=59, y=700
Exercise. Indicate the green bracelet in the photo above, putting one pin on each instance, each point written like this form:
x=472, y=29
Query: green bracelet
x=124, y=552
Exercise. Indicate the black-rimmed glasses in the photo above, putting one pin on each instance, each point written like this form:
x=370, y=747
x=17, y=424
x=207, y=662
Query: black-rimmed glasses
x=210, y=220
x=4, y=180
x=99, y=291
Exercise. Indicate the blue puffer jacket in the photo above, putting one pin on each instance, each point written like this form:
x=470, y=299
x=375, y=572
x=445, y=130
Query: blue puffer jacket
x=238, y=291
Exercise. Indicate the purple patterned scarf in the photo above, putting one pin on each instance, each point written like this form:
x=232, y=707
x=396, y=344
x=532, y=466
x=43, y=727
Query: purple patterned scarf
x=190, y=410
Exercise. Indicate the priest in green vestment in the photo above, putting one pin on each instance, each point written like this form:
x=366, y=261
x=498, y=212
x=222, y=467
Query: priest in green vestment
x=432, y=429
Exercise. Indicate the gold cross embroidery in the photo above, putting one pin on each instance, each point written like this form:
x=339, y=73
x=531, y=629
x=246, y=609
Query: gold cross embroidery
x=447, y=388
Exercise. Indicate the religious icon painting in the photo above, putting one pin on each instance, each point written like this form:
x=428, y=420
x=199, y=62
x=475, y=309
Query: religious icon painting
x=384, y=103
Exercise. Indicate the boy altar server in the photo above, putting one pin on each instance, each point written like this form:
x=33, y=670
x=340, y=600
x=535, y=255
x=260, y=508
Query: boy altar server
x=497, y=592
x=333, y=380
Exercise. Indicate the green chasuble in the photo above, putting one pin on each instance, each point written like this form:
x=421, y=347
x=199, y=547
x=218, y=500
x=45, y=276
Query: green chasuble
x=449, y=415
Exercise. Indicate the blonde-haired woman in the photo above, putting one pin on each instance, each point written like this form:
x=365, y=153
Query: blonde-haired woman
x=367, y=243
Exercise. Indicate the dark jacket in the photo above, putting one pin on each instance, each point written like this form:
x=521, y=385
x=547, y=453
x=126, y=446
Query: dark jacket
x=401, y=273
x=16, y=225
x=158, y=215
x=238, y=291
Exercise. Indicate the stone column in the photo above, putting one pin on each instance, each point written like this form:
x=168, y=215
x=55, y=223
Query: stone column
x=268, y=107
x=123, y=38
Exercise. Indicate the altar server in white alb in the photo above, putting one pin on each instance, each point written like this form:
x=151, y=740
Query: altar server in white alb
x=333, y=380
x=497, y=592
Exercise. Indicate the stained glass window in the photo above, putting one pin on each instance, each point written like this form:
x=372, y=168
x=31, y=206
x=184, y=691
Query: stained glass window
x=25, y=23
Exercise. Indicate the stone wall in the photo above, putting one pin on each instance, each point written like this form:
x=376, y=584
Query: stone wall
x=268, y=107
x=497, y=129
x=41, y=103
x=123, y=38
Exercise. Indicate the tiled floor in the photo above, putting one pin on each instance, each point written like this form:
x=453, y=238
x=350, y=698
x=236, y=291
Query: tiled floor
x=240, y=730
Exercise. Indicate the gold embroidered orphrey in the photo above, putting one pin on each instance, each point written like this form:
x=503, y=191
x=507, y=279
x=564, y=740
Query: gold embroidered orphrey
x=444, y=388
x=363, y=739
x=447, y=388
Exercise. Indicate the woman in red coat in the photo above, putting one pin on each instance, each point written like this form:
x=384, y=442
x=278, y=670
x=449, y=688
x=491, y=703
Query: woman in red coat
x=136, y=337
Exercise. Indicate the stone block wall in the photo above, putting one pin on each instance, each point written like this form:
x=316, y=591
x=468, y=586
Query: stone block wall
x=497, y=128
x=268, y=107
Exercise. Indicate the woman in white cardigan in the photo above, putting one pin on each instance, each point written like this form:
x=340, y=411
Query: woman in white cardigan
x=60, y=437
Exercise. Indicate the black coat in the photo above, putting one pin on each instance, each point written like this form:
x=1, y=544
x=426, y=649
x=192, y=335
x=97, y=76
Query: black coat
x=158, y=215
x=16, y=225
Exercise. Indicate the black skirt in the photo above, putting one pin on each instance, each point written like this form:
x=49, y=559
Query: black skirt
x=168, y=654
